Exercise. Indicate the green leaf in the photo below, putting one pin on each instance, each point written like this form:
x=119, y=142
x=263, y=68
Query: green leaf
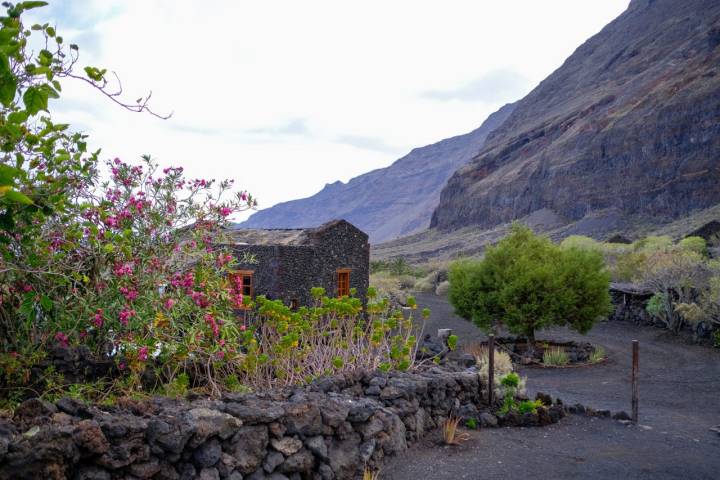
x=49, y=90
x=17, y=197
x=8, y=82
x=35, y=99
x=31, y=5
x=8, y=174
x=46, y=303
x=8, y=33
x=18, y=117
x=50, y=31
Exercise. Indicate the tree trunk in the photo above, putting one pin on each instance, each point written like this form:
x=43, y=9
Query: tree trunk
x=531, y=342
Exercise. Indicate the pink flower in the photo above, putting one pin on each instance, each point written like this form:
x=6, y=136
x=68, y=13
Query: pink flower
x=122, y=269
x=225, y=211
x=223, y=259
x=112, y=222
x=237, y=300
x=169, y=303
x=243, y=328
x=98, y=320
x=121, y=365
x=62, y=339
x=129, y=293
x=125, y=316
x=143, y=354
x=213, y=324
x=243, y=196
x=220, y=355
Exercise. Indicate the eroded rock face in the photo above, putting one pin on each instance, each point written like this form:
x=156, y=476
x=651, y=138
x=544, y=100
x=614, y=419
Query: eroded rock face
x=629, y=123
x=308, y=432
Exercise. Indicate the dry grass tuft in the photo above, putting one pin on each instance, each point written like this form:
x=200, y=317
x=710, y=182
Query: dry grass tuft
x=450, y=433
x=555, y=356
x=503, y=365
x=370, y=475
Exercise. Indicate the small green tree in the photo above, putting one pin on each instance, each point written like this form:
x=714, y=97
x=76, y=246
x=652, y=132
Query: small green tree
x=528, y=283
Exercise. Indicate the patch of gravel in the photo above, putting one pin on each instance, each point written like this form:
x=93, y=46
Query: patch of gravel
x=679, y=387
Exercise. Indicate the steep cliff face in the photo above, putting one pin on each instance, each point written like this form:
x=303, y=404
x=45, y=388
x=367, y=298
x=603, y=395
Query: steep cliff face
x=630, y=123
x=388, y=202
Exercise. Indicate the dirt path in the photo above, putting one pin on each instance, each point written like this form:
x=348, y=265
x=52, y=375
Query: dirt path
x=679, y=402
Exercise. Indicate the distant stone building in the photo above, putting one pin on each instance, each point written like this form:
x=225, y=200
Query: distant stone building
x=284, y=264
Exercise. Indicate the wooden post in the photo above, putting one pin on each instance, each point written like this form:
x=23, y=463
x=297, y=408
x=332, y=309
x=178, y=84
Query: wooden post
x=635, y=367
x=491, y=368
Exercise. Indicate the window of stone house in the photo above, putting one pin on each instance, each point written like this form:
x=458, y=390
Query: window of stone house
x=343, y=282
x=243, y=282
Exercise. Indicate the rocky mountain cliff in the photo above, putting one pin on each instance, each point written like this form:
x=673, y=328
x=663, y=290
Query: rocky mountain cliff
x=629, y=125
x=388, y=202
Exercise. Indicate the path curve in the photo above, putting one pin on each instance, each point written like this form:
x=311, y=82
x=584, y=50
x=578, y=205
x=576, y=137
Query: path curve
x=679, y=402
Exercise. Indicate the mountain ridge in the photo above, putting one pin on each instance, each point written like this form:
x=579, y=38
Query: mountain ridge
x=388, y=202
x=628, y=123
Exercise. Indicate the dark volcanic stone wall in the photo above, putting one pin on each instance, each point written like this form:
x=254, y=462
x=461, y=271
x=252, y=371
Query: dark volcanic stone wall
x=328, y=430
x=343, y=246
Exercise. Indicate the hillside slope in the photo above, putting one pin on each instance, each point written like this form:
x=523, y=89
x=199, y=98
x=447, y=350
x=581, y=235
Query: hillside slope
x=388, y=202
x=629, y=125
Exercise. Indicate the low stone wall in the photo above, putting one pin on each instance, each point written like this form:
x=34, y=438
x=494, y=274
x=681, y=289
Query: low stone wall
x=328, y=430
x=630, y=305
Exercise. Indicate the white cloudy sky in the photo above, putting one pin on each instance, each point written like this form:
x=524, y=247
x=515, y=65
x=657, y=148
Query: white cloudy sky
x=286, y=96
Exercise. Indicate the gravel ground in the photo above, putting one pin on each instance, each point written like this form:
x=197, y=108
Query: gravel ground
x=679, y=402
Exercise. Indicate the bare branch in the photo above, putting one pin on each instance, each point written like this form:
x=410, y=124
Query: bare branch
x=137, y=108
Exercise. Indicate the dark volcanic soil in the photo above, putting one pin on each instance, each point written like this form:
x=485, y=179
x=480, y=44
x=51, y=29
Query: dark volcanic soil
x=679, y=402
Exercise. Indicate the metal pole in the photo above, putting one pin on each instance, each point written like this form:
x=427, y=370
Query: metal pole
x=635, y=366
x=491, y=368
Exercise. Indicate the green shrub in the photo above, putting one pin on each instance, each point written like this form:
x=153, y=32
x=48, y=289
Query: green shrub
x=597, y=355
x=510, y=383
x=555, y=356
x=471, y=423
x=529, y=406
x=626, y=266
x=528, y=283
x=694, y=244
x=511, y=380
x=656, y=305
x=582, y=243
x=653, y=243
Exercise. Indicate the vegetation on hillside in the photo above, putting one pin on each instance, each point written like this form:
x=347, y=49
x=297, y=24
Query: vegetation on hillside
x=684, y=279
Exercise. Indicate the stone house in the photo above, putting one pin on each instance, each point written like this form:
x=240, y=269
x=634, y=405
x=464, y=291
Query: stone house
x=284, y=264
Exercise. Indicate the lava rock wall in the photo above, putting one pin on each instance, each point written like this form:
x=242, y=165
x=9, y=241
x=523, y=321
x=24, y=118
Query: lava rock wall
x=330, y=429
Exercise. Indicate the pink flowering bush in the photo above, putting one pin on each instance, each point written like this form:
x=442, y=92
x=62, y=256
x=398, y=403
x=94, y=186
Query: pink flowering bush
x=130, y=261
x=139, y=273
